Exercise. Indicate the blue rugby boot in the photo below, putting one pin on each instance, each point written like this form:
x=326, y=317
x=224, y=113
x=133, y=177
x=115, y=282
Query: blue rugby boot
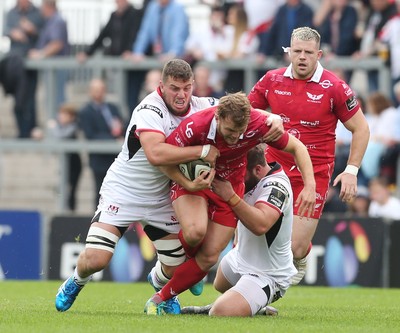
x=197, y=289
x=171, y=306
x=66, y=294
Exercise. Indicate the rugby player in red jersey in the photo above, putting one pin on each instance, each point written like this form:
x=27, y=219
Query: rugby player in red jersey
x=311, y=100
x=207, y=221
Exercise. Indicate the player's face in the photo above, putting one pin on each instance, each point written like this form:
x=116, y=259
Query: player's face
x=304, y=56
x=176, y=95
x=229, y=131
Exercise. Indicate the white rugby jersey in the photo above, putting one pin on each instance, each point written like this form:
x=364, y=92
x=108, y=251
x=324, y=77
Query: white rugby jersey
x=269, y=254
x=131, y=176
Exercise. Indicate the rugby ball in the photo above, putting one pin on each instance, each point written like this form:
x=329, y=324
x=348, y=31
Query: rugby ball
x=193, y=169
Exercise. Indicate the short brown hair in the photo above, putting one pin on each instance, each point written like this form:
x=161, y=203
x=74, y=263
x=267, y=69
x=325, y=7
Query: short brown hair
x=236, y=106
x=178, y=69
x=256, y=156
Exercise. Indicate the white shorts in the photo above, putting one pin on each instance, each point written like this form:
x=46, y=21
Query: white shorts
x=160, y=215
x=258, y=290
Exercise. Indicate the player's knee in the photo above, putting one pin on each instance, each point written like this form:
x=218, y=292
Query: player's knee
x=207, y=261
x=194, y=235
x=300, y=249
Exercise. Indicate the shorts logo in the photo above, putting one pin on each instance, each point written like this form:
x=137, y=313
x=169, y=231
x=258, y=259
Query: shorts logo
x=152, y=108
x=112, y=210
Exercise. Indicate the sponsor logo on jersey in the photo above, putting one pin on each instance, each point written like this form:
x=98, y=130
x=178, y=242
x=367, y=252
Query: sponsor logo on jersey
x=311, y=147
x=282, y=92
x=295, y=132
x=276, y=198
x=211, y=100
x=326, y=84
x=314, y=98
x=351, y=103
x=152, y=108
x=278, y=185
x=285, y=118
x=112, y=210
x=251, y=134
x=347, y=89
x=309, y=123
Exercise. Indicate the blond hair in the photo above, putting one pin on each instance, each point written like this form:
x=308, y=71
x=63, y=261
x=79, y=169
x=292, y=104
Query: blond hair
x=306, y=34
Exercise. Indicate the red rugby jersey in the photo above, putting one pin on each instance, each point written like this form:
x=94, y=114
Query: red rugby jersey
x=201, y=129
x=310, y=109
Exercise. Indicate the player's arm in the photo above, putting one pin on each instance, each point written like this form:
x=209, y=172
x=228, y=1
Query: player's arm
x=359, y=128
x=307, y=197
x=202, y=182
x=275, y=124
x=258, y=218
x=158, y=152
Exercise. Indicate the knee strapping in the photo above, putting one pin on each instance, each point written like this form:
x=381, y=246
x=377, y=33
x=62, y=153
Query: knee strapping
x=170, y=251
x=101, y=239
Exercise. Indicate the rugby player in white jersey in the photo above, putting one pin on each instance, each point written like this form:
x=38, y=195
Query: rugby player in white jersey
x=135, y=190
x=258, y=270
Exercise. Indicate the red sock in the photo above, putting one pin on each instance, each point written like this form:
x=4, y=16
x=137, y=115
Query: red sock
x=189, y=250
x=185, y=276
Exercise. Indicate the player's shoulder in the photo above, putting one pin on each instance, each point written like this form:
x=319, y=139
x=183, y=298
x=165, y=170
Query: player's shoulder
x=200, y=103
x=153, y=103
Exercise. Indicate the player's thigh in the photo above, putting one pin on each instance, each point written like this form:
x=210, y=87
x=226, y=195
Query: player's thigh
x=192, y=213
x=227, y=275
x=230, y=303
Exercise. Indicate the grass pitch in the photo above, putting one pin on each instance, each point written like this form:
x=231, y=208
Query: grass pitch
x=28, y=306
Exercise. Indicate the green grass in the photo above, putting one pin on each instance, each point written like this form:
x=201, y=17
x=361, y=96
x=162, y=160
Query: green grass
x=27, y=306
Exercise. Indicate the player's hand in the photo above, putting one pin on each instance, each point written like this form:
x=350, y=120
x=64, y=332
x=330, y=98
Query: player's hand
x=276, y=130
x=202, y=182
x=348, y=190
x=223, y=188
x=306, y=201
x=212, y=156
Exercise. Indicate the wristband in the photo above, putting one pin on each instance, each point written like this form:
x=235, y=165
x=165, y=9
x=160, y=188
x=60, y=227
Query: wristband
x=351, y=169
x=205, y=151
x=234, y=200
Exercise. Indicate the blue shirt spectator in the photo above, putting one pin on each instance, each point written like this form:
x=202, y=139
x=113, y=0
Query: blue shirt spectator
x=165, y=25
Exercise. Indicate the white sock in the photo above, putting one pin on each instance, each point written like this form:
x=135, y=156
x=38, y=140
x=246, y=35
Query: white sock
x=79, y=280
x=158, y=276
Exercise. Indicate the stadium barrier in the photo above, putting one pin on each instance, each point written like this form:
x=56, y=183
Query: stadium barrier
x=347, y=251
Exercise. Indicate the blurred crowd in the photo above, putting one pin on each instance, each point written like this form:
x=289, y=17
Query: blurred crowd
x=241, y=29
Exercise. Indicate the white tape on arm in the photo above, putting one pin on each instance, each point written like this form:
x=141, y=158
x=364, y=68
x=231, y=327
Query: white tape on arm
x=351, y=169
x=205, y=151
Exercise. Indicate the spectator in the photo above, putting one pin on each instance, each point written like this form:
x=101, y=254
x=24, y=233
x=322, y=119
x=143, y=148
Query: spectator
x=380, y=12
x=65, y=127
x=23, y=25
x=338, y=31
x=164, y=29
x=204, y=44
x=121, y=31
x=360, y=204
x=100, y=120
x=383, y=203
x=53, y=41
x=202, y=87
x=380, y=158
x=239, y=44
x=390, y=38
x=291, y=15
x=151, y=82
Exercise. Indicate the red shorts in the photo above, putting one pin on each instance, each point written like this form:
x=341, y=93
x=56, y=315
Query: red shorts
x=322, y=175
x=218, y=210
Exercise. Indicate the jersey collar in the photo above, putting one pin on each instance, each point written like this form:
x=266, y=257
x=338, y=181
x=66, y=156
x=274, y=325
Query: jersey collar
x=315, y=78
x=212, y=133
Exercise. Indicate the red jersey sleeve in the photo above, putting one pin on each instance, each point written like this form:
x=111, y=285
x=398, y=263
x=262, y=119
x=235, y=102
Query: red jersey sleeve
x=346, y=102
x=183, y=135
x=257, y=94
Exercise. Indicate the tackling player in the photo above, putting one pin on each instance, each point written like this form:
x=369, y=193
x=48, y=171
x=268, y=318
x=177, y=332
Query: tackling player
x=257, y=271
